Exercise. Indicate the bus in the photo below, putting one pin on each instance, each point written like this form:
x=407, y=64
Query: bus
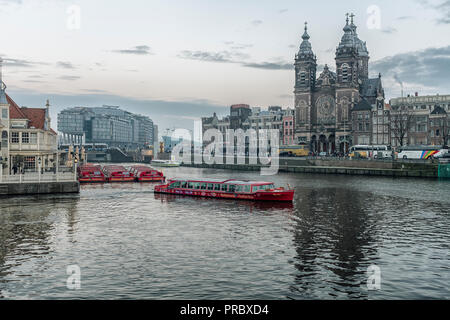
x=421, y=152
x=294, y=151
x=371, y=151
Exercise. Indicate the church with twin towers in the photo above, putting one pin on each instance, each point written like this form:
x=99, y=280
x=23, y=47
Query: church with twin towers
x=325, y=105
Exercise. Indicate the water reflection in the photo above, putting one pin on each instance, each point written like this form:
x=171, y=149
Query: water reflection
x=251, y=205
x=334, y=243
x=26, y=226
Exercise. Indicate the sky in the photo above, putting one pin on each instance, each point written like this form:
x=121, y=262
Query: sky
x=176, y=61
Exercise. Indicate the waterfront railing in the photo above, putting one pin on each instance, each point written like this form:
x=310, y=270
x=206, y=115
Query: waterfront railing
x=36, y=177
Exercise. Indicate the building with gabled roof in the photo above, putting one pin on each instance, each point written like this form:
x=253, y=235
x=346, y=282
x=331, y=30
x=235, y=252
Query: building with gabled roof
x=27, y=140
x=32, y=143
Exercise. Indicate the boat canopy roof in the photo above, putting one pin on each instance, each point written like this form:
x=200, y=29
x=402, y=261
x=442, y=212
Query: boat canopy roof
x=229, y=181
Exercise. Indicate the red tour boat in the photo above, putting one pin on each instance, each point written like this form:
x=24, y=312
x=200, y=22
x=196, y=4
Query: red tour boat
x=90, y=173
x=116, y=173
x=147, y=174
x=227, y=189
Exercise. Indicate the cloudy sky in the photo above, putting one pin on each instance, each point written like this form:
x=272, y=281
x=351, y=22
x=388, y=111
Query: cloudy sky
x=178, y=60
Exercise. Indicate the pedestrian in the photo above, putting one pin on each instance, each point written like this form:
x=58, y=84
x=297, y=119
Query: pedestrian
x=14, y=169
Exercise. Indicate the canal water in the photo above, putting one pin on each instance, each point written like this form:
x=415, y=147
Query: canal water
x=132, y=244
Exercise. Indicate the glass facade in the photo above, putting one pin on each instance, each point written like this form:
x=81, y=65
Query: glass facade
x=107, y=124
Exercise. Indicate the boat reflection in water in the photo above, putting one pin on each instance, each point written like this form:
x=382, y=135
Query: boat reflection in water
x=258, y=205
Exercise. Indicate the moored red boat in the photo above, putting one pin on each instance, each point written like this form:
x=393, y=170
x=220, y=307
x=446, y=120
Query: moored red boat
x=90, y=173
x=227, y=189
x=147, y=174
x=116, y=173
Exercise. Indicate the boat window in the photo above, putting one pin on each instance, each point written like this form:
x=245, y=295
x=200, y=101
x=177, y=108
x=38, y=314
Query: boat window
x=190, y=185
x=196, y=185
x=224, y=187
x=210, y=186
x=232, y=188
x=246, y=188
x=203, y=186
x=183, y=184
x=217, y=187
x=263, y=187
x=239, y=188
x=175, y=185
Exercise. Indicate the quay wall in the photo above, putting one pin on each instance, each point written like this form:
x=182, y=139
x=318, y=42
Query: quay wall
x=31, y=188
x=335, y=166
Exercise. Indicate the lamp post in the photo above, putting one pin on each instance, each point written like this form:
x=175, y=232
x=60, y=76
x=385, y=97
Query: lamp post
x=39, y=168
x=75, y=162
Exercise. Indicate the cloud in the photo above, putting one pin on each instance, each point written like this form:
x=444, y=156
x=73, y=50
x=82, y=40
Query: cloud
x=221, y=56
x=389, y=30
x=69, y=78
x=256, y=22
x=65, y=65
x=444, y=8
x=269, y=65
x=34, y=81
x=233, y=57
x=20, y=63
x=138, y=50
x=283, y=11
x=426, y=68
x=238, y=46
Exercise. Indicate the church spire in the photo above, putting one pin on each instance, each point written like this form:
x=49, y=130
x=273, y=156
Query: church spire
x=347, y=27
x=352, y=25
x=305, y=34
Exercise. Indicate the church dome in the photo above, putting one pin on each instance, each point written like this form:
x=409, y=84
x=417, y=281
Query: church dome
x=351, y=41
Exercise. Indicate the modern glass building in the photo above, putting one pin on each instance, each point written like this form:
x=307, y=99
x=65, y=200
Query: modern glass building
x=107, y=124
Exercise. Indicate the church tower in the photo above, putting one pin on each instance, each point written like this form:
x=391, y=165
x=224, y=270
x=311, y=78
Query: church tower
x=351, y=63
x=363, y=54
x=305, y=81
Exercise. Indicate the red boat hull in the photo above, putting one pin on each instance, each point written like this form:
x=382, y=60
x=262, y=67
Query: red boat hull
x=121, y=179
x=286, y=195
x=151, y=179
x=92, y=180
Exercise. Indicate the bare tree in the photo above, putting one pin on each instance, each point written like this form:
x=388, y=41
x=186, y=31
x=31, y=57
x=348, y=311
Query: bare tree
x=445, y=132
x=401, y=123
